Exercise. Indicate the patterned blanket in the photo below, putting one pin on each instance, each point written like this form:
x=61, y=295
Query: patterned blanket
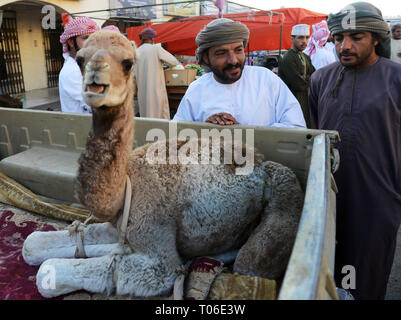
x=18, y=279
x=206, y=278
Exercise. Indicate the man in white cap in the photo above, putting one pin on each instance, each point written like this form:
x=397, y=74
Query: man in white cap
x=232, y=93
x=295, y=68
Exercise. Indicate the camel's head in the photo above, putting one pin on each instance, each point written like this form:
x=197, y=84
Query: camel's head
x=106, y=61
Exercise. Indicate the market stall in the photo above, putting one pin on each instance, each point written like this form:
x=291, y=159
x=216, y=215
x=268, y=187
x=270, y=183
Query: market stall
x=269, y=30
x=177, y=81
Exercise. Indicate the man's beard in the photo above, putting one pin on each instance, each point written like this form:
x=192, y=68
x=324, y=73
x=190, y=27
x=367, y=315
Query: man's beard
x=359, y=59
x=225, y=78
x=301, y=48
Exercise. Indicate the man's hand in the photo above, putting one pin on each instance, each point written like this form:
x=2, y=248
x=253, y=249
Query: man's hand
x=223, y=119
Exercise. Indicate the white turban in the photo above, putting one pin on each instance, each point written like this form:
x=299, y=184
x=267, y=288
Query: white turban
x=300, y=30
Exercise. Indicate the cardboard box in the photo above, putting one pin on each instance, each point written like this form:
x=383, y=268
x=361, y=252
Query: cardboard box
x=179, y=77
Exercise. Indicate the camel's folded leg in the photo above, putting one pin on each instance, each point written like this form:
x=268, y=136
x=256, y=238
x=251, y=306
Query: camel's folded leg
x=98, y=238
x=144, y=276
x=134, y=274
x=61, y=276
x=268, y=249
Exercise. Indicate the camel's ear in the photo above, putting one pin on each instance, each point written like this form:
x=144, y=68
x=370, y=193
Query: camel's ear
x=135, y=50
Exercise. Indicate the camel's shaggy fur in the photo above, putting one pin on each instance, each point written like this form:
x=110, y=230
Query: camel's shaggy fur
x=178, y=211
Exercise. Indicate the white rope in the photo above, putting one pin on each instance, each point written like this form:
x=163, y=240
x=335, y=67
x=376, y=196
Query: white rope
x=77, y=227
x=119, y=251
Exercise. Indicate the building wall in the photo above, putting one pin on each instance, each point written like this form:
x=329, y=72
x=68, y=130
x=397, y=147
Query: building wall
x=30, y=39
x=30, y=35
x=72, y=6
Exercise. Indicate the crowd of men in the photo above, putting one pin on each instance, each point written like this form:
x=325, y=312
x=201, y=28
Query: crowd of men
x=151, y=90
x=345, y=77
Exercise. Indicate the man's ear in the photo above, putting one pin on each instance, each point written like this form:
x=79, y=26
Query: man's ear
x=70, y=43
x=205, y=56
x=375, y=39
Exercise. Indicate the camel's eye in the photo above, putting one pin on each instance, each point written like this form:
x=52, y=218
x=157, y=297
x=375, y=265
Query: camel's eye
x=127, y=65
x=80, y=61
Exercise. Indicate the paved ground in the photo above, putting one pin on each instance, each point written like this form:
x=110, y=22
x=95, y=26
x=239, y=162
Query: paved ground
x=394, y=284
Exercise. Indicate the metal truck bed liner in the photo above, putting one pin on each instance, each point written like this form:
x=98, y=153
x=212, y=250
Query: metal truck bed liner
x=39, y=149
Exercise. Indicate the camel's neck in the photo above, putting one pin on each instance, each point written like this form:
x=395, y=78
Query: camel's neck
x=104, y=164
x=113, y=121
x=113, y=131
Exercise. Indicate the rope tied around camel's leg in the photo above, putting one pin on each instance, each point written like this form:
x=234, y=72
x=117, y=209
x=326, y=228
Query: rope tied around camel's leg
x=117, y=253
x=77, y=227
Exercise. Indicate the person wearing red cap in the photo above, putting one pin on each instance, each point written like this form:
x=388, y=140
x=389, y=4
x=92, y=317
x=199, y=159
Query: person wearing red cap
x=70, y=78
x=152, y=93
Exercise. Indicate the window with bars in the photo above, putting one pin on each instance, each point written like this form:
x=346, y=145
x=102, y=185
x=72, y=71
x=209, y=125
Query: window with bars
x=11, y=76
x=3, y=69
x=53, y=54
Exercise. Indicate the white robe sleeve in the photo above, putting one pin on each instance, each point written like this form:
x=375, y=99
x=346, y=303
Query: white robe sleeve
x=288, y=110
x=73, y=89
x=70, y=88
x=322, y=58
x=167, y=57
x=184, y=111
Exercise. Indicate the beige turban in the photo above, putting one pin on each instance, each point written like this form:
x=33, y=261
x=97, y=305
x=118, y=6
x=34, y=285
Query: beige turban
x=220, y=31
x=366, y=18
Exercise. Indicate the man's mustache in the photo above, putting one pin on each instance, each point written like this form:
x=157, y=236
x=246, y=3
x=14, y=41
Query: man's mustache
x=232, y=66
x=347, y=53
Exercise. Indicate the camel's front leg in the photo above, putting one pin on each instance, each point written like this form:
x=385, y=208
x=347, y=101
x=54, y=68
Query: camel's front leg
x=61, y=276
x=135, y=274
x=152, y=270
x=146, y=273
x=99, y=239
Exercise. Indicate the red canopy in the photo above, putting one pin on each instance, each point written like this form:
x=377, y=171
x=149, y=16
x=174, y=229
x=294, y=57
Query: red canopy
x=264, y=27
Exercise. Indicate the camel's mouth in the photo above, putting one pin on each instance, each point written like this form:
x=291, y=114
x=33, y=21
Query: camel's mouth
x=96, y=89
